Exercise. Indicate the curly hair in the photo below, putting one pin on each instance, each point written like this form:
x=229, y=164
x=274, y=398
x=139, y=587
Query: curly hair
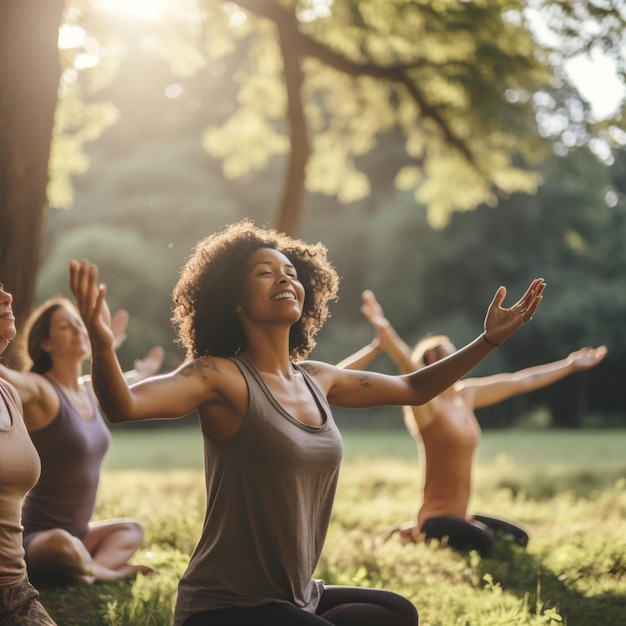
x=211, y=284
x=36, y=329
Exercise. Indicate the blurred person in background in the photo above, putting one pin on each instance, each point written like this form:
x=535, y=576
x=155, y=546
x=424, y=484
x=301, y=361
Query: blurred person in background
x=447, y=431
x=72, y=439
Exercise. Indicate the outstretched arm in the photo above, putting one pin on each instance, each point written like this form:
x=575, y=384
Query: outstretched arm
x=386, y=339
x=359, y=389
x=146, y=367
x=27, y=384
x=164, y=397
x=119, y=322
x=492, y=389
x=142, y=368
x=107, y=377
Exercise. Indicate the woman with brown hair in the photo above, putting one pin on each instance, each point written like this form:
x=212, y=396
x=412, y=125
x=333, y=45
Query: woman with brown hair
x=71, y=438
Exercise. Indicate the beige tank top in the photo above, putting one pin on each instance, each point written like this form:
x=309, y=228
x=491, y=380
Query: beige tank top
x=19, y=471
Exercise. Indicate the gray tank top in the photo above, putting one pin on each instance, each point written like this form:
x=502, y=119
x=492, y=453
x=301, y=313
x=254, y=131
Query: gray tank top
x=270, y=491
x=71, y=449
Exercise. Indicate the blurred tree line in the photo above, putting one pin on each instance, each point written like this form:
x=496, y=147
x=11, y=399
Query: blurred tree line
x=152, y=192
x=165, y=135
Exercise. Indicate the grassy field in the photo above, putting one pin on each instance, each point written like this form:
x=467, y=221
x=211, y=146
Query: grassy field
x=567, y=488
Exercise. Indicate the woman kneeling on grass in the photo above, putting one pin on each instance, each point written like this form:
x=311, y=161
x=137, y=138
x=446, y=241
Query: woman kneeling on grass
x=248, y=304
x=448, y=433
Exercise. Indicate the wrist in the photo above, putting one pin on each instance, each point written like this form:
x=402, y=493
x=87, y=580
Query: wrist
x=493, y=344
x=375, y=346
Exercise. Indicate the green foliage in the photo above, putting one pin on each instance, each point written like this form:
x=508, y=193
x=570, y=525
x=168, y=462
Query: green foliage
x=475, y=98
x=446, y=96
x=79, y=117
x=120, y=255
x=152, y=191
x=161, y=198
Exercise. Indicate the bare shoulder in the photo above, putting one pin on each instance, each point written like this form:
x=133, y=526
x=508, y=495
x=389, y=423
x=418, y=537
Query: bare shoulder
x=322, y=373
x=217, y=376
x=204, y=367
x=43, y=391
x=320, y=370
x=335, y=381
x=313, y=368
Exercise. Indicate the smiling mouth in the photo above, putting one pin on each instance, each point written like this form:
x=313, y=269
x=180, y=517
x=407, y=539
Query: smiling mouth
x=284, y=296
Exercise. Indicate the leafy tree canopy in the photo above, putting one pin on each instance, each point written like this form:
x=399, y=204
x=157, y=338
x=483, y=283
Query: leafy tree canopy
x=477, y=101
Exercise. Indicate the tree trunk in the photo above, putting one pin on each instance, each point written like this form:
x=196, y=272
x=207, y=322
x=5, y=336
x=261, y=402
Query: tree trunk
x=29, y=79
x=292, y=204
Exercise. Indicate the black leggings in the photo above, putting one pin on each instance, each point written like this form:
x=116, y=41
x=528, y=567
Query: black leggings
x=339, y=606
x=465, y=536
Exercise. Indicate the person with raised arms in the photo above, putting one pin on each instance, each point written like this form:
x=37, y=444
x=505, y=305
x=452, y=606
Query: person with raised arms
x=64, y=422
x=447, y=431
x=247, y=306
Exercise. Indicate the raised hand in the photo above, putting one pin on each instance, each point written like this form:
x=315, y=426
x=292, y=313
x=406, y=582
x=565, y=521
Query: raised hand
x=91, y=304
x=371, y=309
x=119, y=322
x=501, y=323
x=374, y=314
x=587, y=357
x=151, y=363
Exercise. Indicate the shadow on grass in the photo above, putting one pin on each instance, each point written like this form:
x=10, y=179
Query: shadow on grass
x=72, y=603
x=524, y=575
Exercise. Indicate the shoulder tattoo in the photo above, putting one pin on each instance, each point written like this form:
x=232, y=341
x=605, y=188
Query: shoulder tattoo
x=200, y=366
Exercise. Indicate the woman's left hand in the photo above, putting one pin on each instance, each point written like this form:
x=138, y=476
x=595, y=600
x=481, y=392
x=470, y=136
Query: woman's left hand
x=501, y=323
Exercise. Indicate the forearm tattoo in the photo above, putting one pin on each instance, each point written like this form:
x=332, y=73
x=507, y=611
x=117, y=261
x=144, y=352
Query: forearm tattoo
x=364, y=380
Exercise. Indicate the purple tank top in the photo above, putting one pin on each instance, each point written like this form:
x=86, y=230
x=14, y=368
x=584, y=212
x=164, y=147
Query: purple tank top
x=71, y=450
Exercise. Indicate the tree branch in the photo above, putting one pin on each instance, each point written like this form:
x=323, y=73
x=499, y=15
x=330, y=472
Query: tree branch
x=393, y=73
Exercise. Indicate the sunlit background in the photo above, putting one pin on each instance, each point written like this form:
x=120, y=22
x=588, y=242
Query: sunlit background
x=171, y=124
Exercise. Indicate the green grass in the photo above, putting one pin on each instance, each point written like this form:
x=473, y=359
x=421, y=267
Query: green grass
x=567, y=488
x=181, y=447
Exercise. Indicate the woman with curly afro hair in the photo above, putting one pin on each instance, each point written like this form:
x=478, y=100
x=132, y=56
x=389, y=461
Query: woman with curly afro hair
x=247, y=307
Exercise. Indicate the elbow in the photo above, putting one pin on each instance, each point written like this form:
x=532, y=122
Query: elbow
x=419, y=399
x=117, y=417
x=114, y=418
